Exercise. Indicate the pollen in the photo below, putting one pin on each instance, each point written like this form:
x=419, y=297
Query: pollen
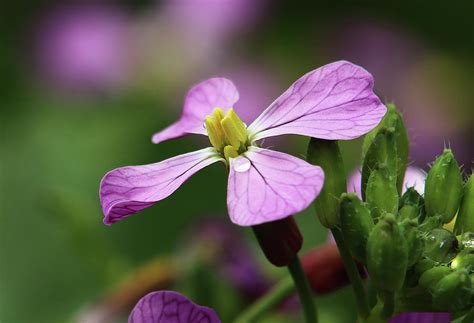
x=227, y=133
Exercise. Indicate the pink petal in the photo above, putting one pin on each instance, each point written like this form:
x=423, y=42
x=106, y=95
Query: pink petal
x=170, y=307
x=333, y=102
x=200, y=101
x=266, y=185
x=127, y=190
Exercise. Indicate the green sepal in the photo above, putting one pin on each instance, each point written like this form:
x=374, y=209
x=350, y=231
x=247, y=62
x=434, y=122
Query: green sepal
x=392, y=119
x=387, y=254
x=431, y=223
x=408, y=212
x=453, y=292
x=382, y=195
x=356, y=225
x=441, y=245
x=443, y=187
x=413, y=198
x=432, y=276
x=414, y=240
x=465, y=218
x=326, y=154
x=382, y=151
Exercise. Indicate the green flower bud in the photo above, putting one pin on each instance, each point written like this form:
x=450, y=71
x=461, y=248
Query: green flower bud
x=414, y=240
x=387, y=254
x=382, y=195
x=423, y=265
x=392, y=119
x=326, y=154
x=453, y=292
x=382, y=151
x=408, y=212
x=464, y=260
x=465, y=218
x=441, y=245
x=443, y=188
x=430, y=278
x=413, y=198
x=356, y=225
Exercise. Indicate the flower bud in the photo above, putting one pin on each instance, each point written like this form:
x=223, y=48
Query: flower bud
x=326, y=154
x=453, y=292
x=431, y=277
x=356, y=225
x=393, y=119
x=387, y=254
x=430, y=223
x=414, y=240
x=441, y=245
x=423, y=265
x=411, y=197
x=382, y=151
x=464, y=260
x=280, y=240
x=408, y=212
x=465, y=218
x=382, y=195
x=443, y=188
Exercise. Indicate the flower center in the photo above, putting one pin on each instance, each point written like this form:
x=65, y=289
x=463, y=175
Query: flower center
x=227, y=133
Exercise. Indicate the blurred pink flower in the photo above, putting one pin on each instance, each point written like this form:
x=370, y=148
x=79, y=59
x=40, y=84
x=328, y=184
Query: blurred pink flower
x=83, y=47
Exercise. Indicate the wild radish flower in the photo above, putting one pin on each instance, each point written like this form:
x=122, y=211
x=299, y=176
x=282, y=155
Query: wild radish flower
x=334, y=102
x=170, y=307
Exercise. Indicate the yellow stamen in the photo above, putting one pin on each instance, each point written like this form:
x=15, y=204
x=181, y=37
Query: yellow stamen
x=230, y=152
x=215, y=132
x=234, y=129
x=218, y=114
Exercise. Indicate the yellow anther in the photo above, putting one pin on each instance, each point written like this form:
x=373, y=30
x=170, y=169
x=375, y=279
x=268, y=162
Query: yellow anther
x=215, y=132
x=234, y=129
x=218, y=114
x=230, y=152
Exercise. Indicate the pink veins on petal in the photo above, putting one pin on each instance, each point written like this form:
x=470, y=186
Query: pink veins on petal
x=333, y=102
x=170, y=307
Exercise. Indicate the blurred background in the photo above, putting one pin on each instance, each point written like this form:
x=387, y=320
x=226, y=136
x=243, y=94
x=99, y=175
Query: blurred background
x=85, y=84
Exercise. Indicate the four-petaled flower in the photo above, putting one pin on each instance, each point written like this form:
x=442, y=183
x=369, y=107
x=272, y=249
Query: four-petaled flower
x=334, y=102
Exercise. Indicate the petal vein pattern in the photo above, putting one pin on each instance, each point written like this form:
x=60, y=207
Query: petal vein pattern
x=266, y=185
x=127, y=190
x=334, y=102
x=201, y=99
x=170, y=307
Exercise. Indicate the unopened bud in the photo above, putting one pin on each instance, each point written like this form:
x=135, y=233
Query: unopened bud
x=432, y=276
x=280, y=240
x=408, y=212
x=382, y=195
x=465, y=218
x=387, y=254
x=423, y=265
x=464, y=260
x=326, y=154
x=356, y=225
x=443, y=188
x=413, y=198
x=441, y=245
x=382, y=151
x=453, y=292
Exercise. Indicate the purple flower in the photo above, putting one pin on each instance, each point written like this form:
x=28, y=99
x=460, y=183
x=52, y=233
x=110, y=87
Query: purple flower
x=422, y=317
x=334, y=102
x=414, y=177
x=170, y=307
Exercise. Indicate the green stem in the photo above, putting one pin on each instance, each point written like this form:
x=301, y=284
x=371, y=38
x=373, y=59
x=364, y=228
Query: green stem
x=353, y=273
x=275, y=296
x=371, y=293
x=304, y=291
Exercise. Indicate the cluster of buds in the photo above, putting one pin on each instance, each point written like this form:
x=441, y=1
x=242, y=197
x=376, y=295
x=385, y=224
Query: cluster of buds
x=400, y=236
